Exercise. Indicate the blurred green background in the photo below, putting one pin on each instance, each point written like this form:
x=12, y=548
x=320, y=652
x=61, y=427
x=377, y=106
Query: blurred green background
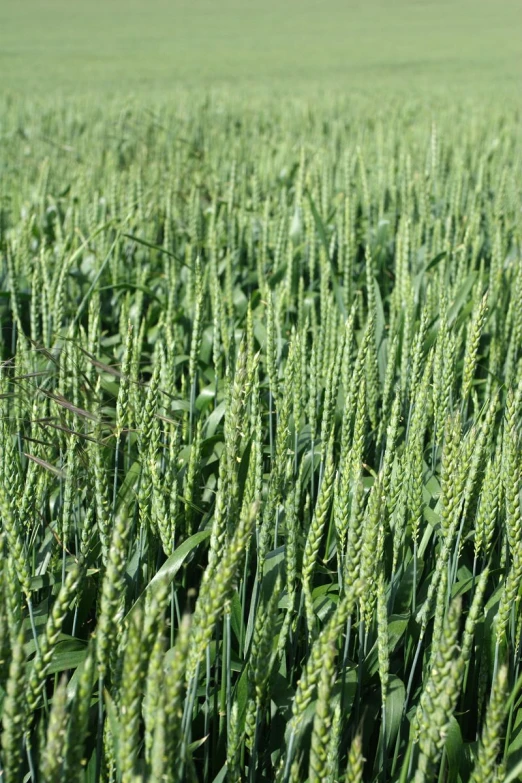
x=157, y=45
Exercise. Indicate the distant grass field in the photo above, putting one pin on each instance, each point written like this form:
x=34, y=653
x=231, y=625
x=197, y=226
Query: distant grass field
x=130, y=45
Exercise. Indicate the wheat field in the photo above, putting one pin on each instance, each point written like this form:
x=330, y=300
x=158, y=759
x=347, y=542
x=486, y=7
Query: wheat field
x=260, y=431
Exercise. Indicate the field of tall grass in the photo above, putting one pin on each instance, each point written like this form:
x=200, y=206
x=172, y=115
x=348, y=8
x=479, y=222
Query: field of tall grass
x=123, y=46
x=261, y=385
x=260, y=393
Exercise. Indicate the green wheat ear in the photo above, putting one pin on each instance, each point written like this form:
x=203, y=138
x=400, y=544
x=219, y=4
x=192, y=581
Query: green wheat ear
x=488, y=750
x=14, y=711
x=355, y=762
x=323, y=718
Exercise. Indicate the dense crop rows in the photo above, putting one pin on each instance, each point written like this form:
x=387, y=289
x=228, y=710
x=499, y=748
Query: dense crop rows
x=260, y=398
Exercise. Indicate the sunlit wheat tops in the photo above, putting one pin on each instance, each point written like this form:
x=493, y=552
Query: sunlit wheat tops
x=260, y=440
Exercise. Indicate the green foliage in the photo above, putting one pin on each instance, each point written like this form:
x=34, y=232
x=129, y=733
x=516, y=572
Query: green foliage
x=260, y=439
